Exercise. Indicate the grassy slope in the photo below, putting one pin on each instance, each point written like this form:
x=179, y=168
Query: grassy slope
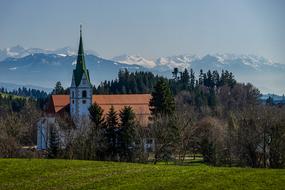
x=66, y=174
x=13, y=96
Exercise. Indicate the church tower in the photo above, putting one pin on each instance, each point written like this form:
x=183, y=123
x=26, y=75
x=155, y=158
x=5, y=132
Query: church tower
x=81, y=88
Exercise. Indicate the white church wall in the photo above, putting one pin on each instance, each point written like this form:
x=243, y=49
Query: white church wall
x=43, y=132
x=79, y=105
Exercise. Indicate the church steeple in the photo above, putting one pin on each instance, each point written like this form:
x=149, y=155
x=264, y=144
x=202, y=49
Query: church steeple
x=81, y=88
x=80, y=64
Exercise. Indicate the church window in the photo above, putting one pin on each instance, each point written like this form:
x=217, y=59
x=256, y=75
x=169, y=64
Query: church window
x=83, y=101
x=72, y=101
x=84, y=94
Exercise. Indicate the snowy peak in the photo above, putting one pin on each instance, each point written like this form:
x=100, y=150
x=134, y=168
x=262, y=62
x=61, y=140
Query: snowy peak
x=179, y=61
x=210, y=61
x=251, y=60
x=263, y=73
x=135, y=60
x=19, y=52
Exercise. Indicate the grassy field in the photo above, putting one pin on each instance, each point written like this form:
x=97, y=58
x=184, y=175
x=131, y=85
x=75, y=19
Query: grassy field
x=67, y=174
x=4, y=95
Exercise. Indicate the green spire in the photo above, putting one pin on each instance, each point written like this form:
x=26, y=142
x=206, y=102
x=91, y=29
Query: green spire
x=80, y=65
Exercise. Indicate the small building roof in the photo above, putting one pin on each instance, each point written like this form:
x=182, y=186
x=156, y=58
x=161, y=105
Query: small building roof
x=138, y=102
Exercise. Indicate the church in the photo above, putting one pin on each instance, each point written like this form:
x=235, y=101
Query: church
x=81, y=98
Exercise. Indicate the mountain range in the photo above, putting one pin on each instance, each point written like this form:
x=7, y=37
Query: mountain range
x=40, y=67
x=19, y=52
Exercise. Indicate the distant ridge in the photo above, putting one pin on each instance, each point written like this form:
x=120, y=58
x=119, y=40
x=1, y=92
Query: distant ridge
x=19, y=52
x=45, y=68
x=12, y=86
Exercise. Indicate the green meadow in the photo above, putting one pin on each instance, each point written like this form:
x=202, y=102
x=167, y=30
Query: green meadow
x=75, y=174
x=4, y=95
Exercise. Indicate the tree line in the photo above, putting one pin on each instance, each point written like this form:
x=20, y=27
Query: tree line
x=26, y=92
x=209, y=115
x=129, y=83
x=213, y=116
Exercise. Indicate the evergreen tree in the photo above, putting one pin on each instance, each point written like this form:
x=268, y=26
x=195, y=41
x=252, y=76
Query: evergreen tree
x=192, y=79
x=175, y=73
x=216, y=78
x=97, y=137
x=96, y=114
x=111, y=132
x=201, y=77
x=222, y=79
x=126, y=133
x=53, y=150
x=58, y=89
x=212, y=100
x=162, y=101
x=185, y=79
x=209, y=82
x=129, y=83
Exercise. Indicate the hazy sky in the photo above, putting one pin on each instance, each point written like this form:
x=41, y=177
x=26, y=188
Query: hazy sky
x=149, y=28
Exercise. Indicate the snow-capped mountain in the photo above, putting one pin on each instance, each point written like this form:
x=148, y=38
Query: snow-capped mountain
x=165, y=63
x=135, y=59
x=44, y=67
x=193, y=61
x=19, y=52
x=263, y=73
x=179, y=61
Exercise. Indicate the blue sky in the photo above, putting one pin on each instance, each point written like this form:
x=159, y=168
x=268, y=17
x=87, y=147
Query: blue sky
x=150, y=28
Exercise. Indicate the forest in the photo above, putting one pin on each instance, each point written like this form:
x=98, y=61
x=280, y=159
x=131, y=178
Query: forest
x=208, y=114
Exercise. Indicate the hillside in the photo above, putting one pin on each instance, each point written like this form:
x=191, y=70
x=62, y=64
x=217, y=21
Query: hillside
x=67, y=174
x=13, y=96
x=46, y=69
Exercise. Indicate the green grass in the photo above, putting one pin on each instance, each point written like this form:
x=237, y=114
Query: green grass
x=4, y=95
x=74, y=174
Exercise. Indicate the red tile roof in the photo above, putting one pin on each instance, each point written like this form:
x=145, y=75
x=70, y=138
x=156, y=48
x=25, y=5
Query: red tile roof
x=59, y=102
x=139, y=102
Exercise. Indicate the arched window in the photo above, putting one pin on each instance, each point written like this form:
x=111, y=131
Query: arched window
x=84, y=94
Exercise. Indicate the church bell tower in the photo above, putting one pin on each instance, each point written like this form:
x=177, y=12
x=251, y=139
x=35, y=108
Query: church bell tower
x=81, y=87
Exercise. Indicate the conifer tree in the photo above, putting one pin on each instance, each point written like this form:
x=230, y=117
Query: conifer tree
x=127, y=133
x=175, y=73
x=185, y=79
x=192, y=79
x=97, y=136
x=162, y=101
x=201, y=77
x=53, y=150
x=58, y=89
x=111, y=132
x=96, y=114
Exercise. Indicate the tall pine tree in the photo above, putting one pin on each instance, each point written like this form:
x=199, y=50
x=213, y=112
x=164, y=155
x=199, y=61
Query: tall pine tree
x=111, y=132
x=127, y=133
x=162, y=101
x=53, y=150
x=96, y=114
